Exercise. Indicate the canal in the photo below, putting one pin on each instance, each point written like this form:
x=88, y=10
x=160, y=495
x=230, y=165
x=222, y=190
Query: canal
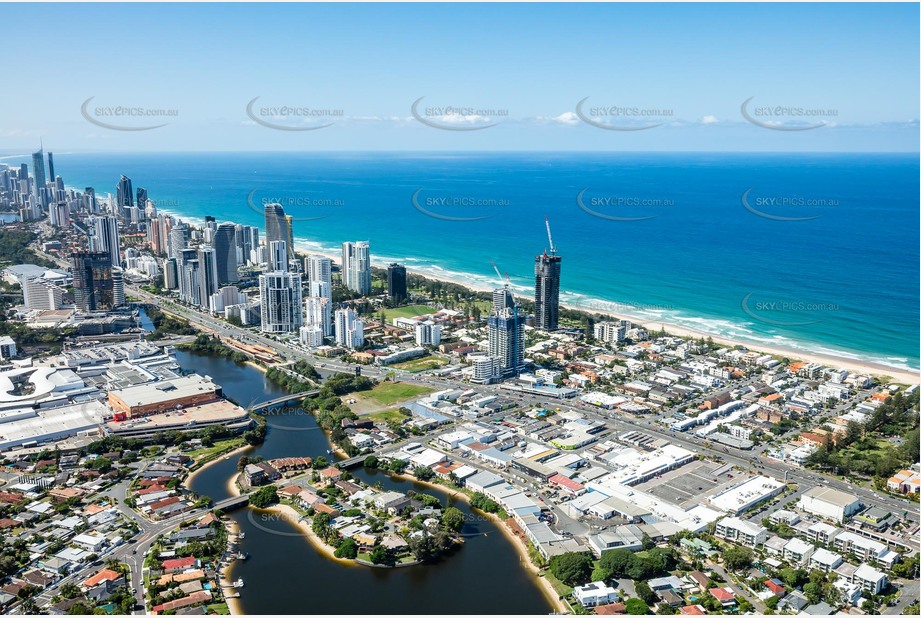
x=285, y=574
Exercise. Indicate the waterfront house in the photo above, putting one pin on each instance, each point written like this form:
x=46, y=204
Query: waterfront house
x=595, y=593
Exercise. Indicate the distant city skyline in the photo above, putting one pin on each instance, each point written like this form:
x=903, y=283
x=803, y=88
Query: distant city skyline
x=545, y=77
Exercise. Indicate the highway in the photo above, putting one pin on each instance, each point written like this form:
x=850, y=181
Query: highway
x=751, y=460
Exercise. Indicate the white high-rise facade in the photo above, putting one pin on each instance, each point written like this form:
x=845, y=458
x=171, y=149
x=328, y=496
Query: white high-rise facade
x=349, y=329
x=318, y=312
x=428, y=333
x=319, y=275
x=280, y=294
x=356, y=266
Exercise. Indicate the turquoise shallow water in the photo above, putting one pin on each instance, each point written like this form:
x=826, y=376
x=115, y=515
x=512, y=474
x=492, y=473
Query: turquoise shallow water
x=666, y=237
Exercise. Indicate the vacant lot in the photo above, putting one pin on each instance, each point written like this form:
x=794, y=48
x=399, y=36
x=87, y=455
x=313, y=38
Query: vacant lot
x=421, y=364
x=389, y=393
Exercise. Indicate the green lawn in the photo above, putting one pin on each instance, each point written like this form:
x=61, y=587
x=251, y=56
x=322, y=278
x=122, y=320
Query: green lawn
x=421, y=364
x=219, y=608
x=409, y=311
x=561, y=589
x=385, y=416
x=207, y=453
x=389, y=393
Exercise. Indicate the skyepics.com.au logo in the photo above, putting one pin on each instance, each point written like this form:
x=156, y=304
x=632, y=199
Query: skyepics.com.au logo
x=621, y=206
x=298, y=207
x=779, y=311
x=622, y=117
x=622, y=307
x=292, y=117
x=454, y=207
x=786, y=117
x=125, y=117
x=457, y=117
x=779, y=207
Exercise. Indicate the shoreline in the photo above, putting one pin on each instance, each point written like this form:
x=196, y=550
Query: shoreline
x=293, y=518
x=900, y=375
x=519, y=544
x=237, y=451
x=225, y=578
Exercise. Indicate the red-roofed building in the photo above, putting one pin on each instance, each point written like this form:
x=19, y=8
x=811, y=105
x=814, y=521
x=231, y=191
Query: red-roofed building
x=174, y=565
x=105, y=575
x=159, y=504
x=611, y=609
x=693, y=610
x=319, y=507
x=774, y=587
x=10, y=498
x=724, y=595
x=331, y=474
x=566, y=483
x=196, y=597
x=6, y=522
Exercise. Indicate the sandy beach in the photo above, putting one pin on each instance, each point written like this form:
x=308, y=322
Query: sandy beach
x=225, y=581
x=232, y=454
x=293, y=517
x=902, y=376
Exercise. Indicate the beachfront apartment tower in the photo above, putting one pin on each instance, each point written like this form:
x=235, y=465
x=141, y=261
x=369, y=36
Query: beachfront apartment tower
x=124, y=196
x=276, y=225
x=225, y=250
x=356, y=266
x=38, y=171
x=280, y=294
x=547, y=291
x=396, y=282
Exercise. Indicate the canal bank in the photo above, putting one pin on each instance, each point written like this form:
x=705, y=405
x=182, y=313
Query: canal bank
x=285, y=574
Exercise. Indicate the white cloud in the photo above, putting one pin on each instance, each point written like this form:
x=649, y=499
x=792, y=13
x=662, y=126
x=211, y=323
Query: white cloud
x=709, y=119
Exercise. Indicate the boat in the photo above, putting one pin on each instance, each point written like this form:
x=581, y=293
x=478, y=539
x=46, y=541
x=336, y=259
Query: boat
x=238, y=583
x=242, y=535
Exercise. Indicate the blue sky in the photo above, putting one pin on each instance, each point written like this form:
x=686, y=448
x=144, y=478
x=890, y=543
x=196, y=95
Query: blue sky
x=523, y=67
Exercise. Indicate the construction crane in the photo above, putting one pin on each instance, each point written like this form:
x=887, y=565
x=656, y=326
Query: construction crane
x=496, y=268
x=549, y=236
x=508, y=281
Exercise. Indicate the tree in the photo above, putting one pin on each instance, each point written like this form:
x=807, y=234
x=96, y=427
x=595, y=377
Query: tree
x=371, y=462
x=571, y=568
x=636, y=607
x=453, y=519
x=380, y=555
x=601, y=574
x=644, y=592
x=348, y=549
x=737, y=558
x=813, y=592
x=320, y=462
x=264, y=497
x=616, y=561
x=424, y=473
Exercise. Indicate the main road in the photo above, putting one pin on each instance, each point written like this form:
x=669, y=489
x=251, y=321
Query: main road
x=751, y=460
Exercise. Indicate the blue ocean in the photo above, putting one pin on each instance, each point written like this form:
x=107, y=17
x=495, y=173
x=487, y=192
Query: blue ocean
x=815, y=252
